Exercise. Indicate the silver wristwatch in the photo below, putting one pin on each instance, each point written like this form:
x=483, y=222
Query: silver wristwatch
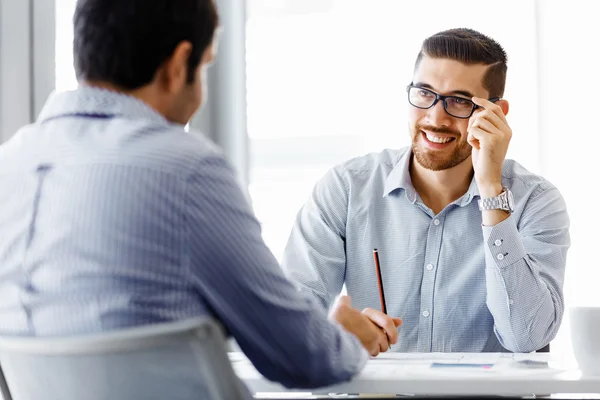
x=504, y=201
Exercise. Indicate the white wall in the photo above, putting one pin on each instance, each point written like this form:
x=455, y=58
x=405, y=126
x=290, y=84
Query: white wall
x=26, y=61
x=15, y=66
x=569, y=128
x=43, y=52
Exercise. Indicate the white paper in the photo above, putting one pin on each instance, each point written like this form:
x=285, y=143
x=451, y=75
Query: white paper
x=425, y=357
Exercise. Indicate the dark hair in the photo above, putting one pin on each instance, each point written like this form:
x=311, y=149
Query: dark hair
x=470, y=47
x=124, y=42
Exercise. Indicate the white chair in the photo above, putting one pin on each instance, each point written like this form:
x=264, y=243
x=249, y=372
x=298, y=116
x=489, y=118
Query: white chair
x=180, y=361
x=4, y=395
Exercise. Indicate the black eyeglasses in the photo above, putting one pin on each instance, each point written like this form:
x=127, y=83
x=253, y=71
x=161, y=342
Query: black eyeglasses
x=458, y=107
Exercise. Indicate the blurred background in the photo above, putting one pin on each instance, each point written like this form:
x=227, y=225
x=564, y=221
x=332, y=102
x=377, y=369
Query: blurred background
x=302, y=85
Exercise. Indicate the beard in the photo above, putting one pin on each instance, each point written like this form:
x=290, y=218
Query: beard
x=439, y=160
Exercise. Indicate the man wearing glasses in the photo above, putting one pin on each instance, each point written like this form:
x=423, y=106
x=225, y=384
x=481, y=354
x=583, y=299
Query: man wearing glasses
x=472, y=247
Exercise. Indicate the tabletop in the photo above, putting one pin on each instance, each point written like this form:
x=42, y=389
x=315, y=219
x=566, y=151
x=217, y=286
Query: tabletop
x=447, y=374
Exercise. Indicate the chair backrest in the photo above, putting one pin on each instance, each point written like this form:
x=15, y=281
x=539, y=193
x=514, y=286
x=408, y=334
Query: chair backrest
x=4, y=393
x=181, y=361
x=545, y=349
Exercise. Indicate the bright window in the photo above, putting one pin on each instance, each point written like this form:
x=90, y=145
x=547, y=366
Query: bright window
x=65, y=73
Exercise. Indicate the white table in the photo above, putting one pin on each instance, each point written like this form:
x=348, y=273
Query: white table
x=412, y=373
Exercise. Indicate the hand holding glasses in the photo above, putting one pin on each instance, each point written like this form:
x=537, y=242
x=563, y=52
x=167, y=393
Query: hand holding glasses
x=455, y=106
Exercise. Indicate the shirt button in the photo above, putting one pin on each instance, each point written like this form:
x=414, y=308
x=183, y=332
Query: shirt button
x=498, y=242
x=429, y=267
x=500, y=256
x=426, y=313
x=511, y=301
x=436, y=221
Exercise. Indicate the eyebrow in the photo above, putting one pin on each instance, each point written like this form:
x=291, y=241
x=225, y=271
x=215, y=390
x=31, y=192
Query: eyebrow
x=464, y=93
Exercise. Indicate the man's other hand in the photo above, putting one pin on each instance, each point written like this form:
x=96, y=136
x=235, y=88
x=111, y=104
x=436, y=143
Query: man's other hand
x=372, y=335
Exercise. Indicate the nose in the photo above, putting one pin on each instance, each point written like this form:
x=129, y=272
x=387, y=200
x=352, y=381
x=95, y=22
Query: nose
x=437, y=116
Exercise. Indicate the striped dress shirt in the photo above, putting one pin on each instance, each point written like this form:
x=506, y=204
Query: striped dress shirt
x=113, y=217
x=459, y=286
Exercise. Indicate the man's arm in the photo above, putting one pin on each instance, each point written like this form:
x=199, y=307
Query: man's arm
x=525, y=259
x=525, y=268
x=315, y=255
x=284, y=332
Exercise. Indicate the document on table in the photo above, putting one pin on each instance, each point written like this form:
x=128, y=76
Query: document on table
x=417, y=356
x=471, y=365
x=437, y=365
x=395, y=364
x=439, y=358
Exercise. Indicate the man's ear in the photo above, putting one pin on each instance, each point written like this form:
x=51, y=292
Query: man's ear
x=503, y=105
x=173, y=74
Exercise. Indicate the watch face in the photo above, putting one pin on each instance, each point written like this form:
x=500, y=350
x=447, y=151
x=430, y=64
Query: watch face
x=511, y=200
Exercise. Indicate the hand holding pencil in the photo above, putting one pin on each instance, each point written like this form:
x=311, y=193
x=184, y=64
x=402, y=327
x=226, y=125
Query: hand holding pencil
x=388, y=324
x=366, y=325
x=375, y=329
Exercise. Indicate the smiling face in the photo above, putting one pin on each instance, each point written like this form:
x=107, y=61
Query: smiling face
x=439, y=140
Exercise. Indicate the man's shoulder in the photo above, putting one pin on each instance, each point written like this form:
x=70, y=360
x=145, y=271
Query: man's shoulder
x=521, y=179
x=124, y=143
x=382, y=161
x=169, y=149
x=11, y=151
x=184, y=148
x=368, y=172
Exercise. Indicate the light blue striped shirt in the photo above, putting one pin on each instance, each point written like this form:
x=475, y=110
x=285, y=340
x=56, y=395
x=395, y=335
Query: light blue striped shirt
x=113, y=217
x=458, y=286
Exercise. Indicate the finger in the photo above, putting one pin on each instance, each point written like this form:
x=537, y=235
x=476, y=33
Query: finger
x=488, y=105
x=471, y=121
x=488, y=115
x=375, y=345
x=485, y=125
x=344, y=300
x=383, y=321
x=383, y=340
x=389, y=345
x=397, y=322
x=375, y=351
x=472, y=140
x=484, y=139
x=478, y=134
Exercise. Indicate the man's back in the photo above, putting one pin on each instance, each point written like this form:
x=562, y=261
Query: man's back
x=93, y=221
x=114, y=217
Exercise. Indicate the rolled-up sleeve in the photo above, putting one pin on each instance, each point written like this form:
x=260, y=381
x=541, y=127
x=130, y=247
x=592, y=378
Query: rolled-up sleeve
x=525, y=267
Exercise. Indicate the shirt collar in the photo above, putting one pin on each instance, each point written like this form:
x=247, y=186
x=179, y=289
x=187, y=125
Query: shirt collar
x=96, y=101
x=399, y=178
x=470, y=195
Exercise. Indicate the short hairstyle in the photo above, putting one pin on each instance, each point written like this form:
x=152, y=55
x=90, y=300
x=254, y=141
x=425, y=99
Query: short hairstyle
x=124, y=42
x=470, y=47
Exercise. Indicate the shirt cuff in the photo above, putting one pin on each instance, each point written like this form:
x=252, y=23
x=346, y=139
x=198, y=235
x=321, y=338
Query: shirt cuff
x=504, y=245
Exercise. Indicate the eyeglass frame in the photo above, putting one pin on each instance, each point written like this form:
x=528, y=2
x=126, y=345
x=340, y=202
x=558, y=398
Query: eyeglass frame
x=439, y=97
